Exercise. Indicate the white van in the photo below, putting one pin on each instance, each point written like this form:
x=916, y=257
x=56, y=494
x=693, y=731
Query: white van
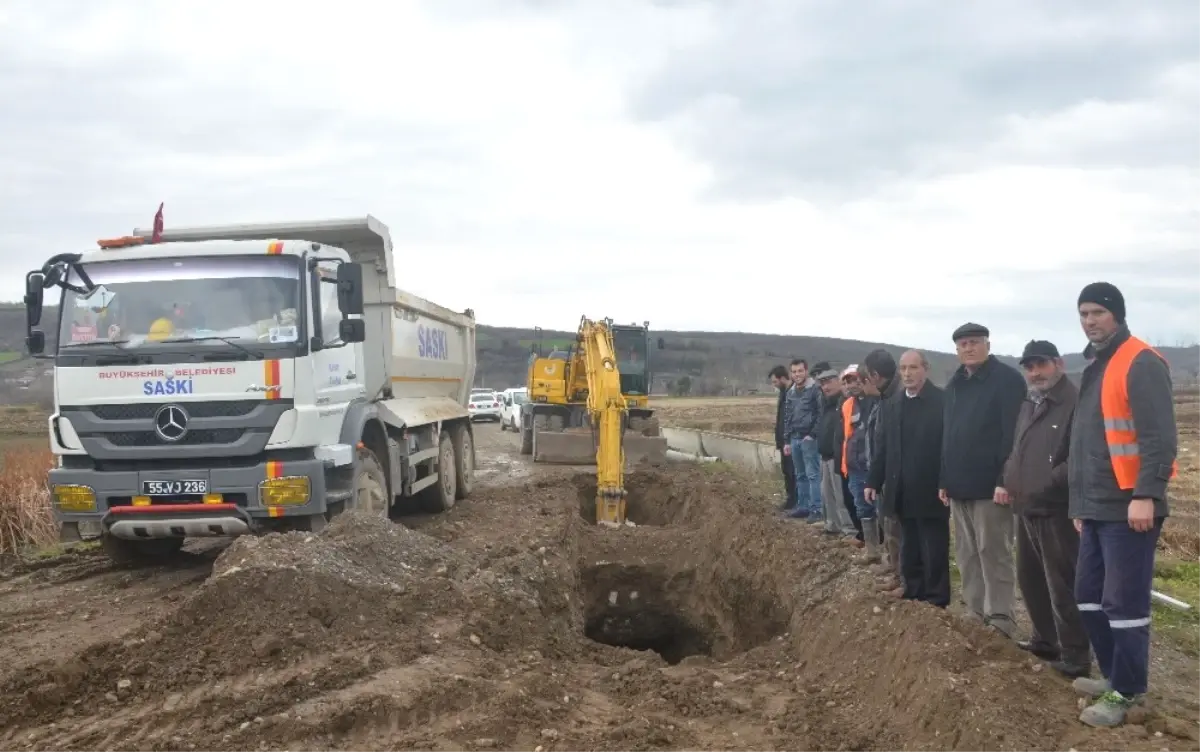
x=510, y=407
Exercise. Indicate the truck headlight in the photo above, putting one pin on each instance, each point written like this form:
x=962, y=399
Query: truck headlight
x=278, y=492
x=72, y=498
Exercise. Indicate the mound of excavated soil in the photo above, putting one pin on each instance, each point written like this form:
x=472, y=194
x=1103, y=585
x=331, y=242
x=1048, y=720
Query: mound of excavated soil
x=514, y=622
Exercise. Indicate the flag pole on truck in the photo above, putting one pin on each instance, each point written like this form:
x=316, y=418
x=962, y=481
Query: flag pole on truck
x=156, y=236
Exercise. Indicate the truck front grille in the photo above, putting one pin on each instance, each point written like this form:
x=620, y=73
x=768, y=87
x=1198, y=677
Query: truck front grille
x=146, y=411
x=200, y=436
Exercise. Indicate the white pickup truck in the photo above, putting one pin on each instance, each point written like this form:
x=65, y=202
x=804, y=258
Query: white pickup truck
x=227, y=380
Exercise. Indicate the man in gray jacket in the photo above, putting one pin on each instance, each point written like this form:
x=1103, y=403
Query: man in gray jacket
x=801, y=414
x=1122, y=455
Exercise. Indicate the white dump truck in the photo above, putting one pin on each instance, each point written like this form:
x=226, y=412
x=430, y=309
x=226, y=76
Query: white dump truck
x=218, y=381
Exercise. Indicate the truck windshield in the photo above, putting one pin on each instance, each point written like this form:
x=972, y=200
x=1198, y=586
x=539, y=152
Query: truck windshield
x=141, y=303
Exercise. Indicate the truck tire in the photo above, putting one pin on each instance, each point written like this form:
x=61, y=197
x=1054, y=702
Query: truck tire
x=464, y=460
x=370, y=486
x=126, y=553
x=440, y=497
x=527, y=440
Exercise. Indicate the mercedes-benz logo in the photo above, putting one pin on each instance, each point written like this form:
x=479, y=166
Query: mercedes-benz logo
x=170, y=423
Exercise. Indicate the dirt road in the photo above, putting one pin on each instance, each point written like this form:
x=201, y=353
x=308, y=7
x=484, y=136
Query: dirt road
x=495, y=627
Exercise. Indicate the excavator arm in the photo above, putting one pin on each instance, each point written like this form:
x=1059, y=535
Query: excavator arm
x=608, y=409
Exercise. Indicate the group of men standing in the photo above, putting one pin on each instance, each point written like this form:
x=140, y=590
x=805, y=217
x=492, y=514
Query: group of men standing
x=1074, y=477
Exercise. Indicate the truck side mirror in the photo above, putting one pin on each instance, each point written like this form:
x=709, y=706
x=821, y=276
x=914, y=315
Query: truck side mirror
x=352, y=330
x=350, y=290
x=33, y=298
x=35, y=342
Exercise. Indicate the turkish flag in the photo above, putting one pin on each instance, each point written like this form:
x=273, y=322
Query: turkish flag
x=158, y=226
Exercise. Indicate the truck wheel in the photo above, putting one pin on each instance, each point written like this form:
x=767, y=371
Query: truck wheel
x=464, y=461
x=526, y=440
x=370, y=486
x=440, y=496
x=123, y=552
x=503, y=425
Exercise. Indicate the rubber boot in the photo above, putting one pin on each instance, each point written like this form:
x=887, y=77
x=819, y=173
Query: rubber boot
x=871, y=536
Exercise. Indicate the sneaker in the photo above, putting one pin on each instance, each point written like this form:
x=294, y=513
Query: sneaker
x=895, y=593
x=1072, y=670
x=867, y=559
x=1108, y=710
x=1091, y=687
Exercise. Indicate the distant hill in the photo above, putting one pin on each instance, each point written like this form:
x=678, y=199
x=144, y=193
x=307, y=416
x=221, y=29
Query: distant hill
x=709, y=363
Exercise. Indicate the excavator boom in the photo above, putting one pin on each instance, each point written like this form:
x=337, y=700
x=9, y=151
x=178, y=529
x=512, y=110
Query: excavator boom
x=607, y=408
x=583, y=409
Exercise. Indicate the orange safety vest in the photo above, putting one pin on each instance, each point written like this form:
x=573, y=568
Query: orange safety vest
x=847, y=413
x=1119, y=430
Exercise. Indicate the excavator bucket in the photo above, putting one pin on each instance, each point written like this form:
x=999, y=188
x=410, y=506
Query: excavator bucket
x=610, y=508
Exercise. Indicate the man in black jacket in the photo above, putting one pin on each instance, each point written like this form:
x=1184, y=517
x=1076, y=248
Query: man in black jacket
x=1047, y=543
x=880, y=368
x=782, y=383
x=906, y=464
x=982, y=400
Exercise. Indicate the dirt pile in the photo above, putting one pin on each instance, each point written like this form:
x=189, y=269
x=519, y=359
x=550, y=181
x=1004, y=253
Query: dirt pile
x=515, y=623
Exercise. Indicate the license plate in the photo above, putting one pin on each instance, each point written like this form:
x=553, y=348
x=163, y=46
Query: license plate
x=174, y=487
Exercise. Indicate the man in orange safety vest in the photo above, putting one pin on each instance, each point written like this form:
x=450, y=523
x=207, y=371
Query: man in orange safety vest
x=1121, y=458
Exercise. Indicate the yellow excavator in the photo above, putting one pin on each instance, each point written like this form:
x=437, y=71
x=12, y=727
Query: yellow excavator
x=591, y=403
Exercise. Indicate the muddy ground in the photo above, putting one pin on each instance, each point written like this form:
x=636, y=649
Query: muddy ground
x=501, y=626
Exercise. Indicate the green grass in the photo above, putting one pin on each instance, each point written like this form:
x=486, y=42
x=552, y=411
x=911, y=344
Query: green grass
x=1178, y=579
x=9, y=356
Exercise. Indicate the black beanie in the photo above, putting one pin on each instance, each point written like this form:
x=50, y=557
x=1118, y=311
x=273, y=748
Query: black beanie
x=1107, y=296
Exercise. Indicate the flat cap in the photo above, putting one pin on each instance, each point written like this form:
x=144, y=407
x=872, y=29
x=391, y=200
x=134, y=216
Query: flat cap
x=1039, y=349
x=970, y=329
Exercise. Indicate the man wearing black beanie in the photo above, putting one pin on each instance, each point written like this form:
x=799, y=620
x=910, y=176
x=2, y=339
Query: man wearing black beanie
x=1121, y=458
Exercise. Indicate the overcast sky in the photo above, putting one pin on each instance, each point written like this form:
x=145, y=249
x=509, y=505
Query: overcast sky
x=881, y=170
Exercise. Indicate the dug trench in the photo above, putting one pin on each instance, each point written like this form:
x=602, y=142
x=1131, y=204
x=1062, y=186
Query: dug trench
x=513, y=622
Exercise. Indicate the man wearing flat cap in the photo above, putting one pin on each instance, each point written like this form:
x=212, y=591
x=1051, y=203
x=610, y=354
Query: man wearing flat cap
x=1122, y=456
x=1035, y=478
x=982, y=400
x=837, y=516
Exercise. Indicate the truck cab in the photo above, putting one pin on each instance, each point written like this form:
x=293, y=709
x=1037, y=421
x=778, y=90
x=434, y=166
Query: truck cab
x=229, y=380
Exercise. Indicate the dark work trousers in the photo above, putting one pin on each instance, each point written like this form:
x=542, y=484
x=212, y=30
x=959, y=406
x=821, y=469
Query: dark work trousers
x=789, y=481
x=925, y=559
x=1112, y=586
x=848, y=498
x=1047, y=550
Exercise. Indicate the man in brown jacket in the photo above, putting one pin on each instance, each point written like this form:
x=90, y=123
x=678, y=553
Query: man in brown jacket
x=1035, y=478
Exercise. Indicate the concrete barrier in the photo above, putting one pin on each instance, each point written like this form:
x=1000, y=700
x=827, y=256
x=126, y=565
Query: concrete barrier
x=748, y=453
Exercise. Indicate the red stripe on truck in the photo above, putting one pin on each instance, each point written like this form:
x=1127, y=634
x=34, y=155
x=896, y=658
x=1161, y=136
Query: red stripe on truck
x=168, y=508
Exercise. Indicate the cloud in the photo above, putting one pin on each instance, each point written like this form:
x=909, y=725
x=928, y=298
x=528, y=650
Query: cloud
x=786, y=167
